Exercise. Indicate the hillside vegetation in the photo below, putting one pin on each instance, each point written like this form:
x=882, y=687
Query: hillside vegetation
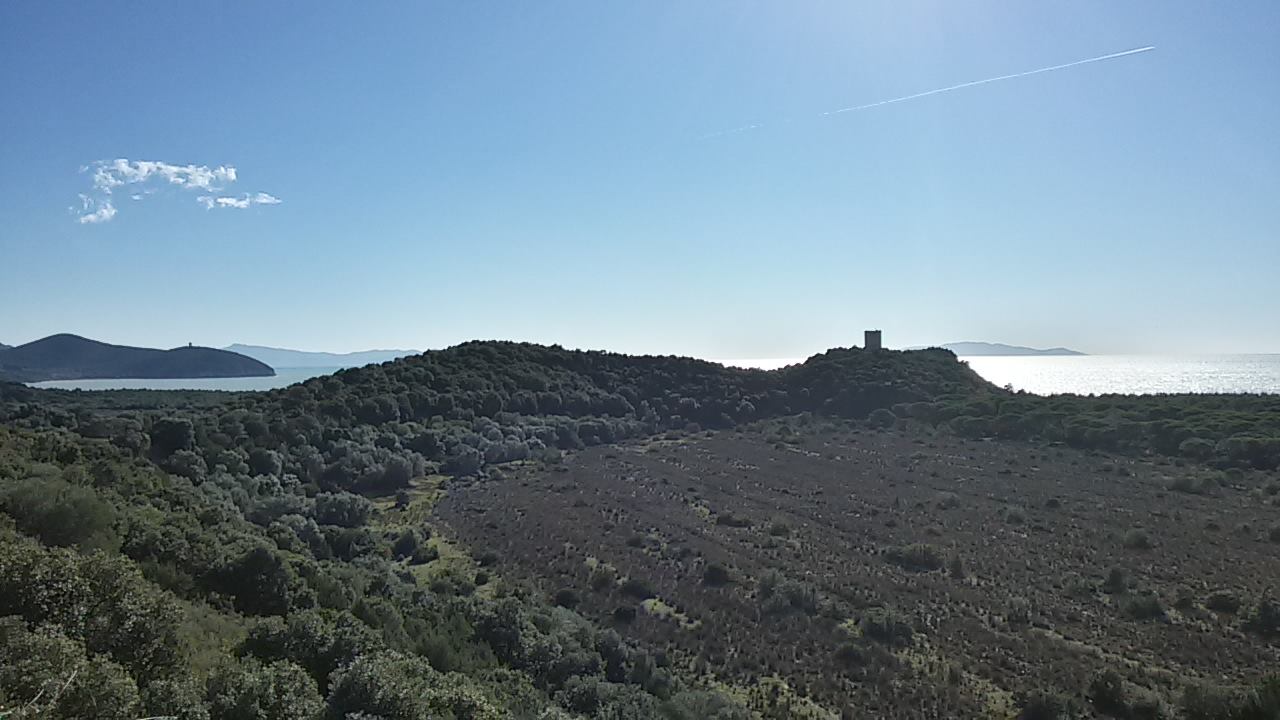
x=278, y=554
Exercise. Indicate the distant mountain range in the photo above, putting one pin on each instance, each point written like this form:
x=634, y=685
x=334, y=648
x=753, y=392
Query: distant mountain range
x=284, y=358
x=71, y=357
x=986, y=348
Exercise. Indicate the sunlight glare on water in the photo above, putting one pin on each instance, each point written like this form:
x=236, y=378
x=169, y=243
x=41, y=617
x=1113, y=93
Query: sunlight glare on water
x=1133, y=374
x=1109, y=374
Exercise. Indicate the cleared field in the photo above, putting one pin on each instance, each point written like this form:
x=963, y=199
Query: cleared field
x=887, y=574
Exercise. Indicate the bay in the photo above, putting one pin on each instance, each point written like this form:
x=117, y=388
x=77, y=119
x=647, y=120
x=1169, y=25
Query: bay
x=284, y=377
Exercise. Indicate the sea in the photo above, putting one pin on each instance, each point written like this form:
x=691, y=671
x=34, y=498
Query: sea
x=284, y=377
x=1042, y=375
x=1132, y=374
x=1108, y=374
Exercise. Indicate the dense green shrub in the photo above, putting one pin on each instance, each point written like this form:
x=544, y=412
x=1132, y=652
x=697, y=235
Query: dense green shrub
x=849, y=655
x=917, y=556
x=882, y=418
x=1137, y=539
x=342, y=509
x=1143, y=607
x=62, y=514
x=702, y=705
x=715, y=575
x=1044, y=706
x=100, y=601
x=566, y=598
x=729, y=519
x=319, y=641
x=885, y=626
x=1223, y=601
x=779, y=595
x=250, y=690
x=637, y=588
x=1117, y=581
x=1264, y=619
x=393, y=685
x=1192, y=485
x=1259, y=702
x=1107, y=693
x=49, y=674
x=1196, y=448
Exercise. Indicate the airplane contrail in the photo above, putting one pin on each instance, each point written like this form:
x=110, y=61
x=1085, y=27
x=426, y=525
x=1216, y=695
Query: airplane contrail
x=951, y=88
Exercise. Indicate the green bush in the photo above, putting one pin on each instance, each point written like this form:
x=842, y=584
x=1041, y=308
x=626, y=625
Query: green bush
x=393, y=685
x=920, y=557
x=715, y=575
x=850, y=656
x=132, y=622
x=1264, y=620
x=703, y=705
x=886, y=627
x=601, y=578
x=882, y=418
x=947, y=500
x=637, y=588
x=728, y=519
x=1137, y=539
x=1192, y=485
x=62, y=514
x=1223, y=601
x=49, y=674
x=1143, y=607
x=566, y=598
x=1043, y=705
x=1196, y=448
x=250, y=690
x=1107, y=693
x=779, y=595
x=1260, y=702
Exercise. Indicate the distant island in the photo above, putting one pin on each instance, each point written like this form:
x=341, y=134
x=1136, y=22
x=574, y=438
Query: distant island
x=71, y=357
x=285, y=358
x=986, y=348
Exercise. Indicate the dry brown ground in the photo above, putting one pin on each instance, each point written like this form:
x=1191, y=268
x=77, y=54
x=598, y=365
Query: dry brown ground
x=1036, y=530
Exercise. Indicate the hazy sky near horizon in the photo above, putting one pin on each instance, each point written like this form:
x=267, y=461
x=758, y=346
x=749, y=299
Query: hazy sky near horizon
x=337, y=177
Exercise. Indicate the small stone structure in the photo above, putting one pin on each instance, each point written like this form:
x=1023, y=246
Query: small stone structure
x=871, y=340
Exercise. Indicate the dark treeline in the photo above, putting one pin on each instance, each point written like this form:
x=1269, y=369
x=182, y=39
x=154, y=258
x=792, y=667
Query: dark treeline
x=1221, y=430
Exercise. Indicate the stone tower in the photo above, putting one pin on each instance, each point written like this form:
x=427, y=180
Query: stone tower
x=871, y=340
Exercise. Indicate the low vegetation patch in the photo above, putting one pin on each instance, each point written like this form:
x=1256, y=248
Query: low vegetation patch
x=886, y=627
x=1137, y=539
x=920, y=557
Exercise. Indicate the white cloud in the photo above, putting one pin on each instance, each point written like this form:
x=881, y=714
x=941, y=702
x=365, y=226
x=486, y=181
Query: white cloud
x=104, y=213
x=121, y=171
x=241, y=202
x=148, y=176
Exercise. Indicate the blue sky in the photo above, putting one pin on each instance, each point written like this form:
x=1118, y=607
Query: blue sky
x=541, y=171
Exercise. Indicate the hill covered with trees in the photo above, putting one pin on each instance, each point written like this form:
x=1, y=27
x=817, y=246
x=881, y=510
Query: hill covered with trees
x=275, y=554
x=71, y=357
x=268, y=555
